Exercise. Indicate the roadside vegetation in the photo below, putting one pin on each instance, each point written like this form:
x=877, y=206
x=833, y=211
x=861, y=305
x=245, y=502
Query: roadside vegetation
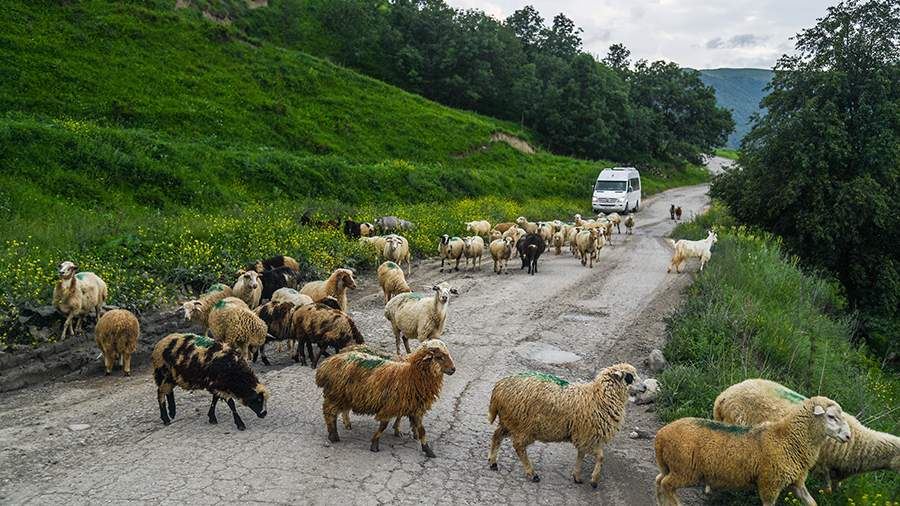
x=755, y=312
x=731, y=154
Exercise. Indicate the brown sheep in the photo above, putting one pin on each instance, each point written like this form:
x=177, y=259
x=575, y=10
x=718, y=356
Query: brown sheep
x=197, y=310
x=117, y=335
x=372, y=385
x=391, y=280
x=324, y=326
x=277, y=317
x=232, y=322
x=335, y=286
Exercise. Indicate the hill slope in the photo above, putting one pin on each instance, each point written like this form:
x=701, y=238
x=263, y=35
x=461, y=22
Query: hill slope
x=740, y=91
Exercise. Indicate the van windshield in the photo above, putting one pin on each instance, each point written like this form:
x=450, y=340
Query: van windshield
x=610, y=186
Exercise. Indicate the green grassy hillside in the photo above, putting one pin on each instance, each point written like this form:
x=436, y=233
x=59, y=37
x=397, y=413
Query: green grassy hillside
x=162, y=150
x=740, y=91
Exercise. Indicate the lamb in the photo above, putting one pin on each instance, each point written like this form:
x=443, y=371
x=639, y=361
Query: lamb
x=481, y=227
x=396, y=249
x=451, y=248
x=535, y=406
x=197, y=310
x=503, y=227
x=501, y=251
x=198, y=363
x=117, y=335
x=391, y=280
x=335, y=286
x=529, y=227
x=586, y=241
x=474, y=249
x=232, y=322
x=756, y=401
x=415, y=316
x=559, y=239
x=273, y=263
x=248, y=288
x=771, y=456
x=629, y=224
x=324, y=326
x=685, y=249
x=76, y=294
x=372, y=385
x=277, y=317
x=530, y=249
x=290, y=295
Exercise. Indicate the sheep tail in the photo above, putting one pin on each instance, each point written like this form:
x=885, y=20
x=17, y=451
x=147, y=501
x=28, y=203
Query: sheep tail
x=357, y=335
x=492, y=411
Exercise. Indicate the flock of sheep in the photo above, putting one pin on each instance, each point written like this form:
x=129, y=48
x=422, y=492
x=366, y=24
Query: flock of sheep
x=763, y=435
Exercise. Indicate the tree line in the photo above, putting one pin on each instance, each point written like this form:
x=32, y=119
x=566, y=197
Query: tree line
x=522, y=69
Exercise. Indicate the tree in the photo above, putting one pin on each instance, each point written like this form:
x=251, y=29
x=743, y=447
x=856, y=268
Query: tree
x=563, y=39
x=617, y=58
x=822, y=168
x=528, y=26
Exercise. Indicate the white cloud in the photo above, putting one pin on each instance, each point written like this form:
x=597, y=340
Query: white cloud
x=693, y=33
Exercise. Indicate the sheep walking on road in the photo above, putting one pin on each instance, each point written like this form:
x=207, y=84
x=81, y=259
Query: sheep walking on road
x=391, y=280
x=415, y=316
x=335, y=286
x=685, y=249
x=473, y=249
x=117, y=336
x=451, y=249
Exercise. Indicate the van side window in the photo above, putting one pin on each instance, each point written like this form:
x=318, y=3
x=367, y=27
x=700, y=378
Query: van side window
x=636, y=183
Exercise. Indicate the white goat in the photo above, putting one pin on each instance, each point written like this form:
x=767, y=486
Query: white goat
x=685, y=249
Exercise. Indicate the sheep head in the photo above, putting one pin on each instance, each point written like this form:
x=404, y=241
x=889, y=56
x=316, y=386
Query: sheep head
x=443, y=292
x=191, y=308
x=251, y=279
x=345, y=278
x=829, y=413
x=67, y=269
x=437, y=356
x=256, y=400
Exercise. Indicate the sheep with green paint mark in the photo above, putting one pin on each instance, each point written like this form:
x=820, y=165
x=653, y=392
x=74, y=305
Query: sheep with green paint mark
x=391, y=280
x=76, y=295
x=534, y=406
x=450, y=249
x=756, y=401
x=197, y=310
x=232, y=322
x=414, y=315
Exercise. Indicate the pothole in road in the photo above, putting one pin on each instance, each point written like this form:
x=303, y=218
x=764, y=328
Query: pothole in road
x=585, y=315
x=546, y=353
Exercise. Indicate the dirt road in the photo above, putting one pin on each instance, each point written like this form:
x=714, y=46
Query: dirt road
x=100, y=439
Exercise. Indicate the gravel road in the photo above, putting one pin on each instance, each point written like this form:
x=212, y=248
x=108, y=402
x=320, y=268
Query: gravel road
x=100, y=439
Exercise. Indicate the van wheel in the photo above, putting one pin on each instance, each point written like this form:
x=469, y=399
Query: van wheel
x=637, y=205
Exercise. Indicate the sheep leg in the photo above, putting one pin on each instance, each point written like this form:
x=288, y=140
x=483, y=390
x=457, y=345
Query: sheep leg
x=409, y=265
x=406, y=343
x=109, y=359
x=262, y=354
x=498, y=437
x=377, y=436
x=799, y=489
x=309, y=349
x=329, y=412
x=237, y=418
x=521, y=446
x=345, y=416
x=667, y=486
x=299, y=355
x=315, y=360
x=579, y=460
x=126, y=364
x=397, y=432
x=211, y=414
x=416, y=421
x=68, y=325
x=595, y=476
x=442, y=265
x=164, y=394
x=396, y=338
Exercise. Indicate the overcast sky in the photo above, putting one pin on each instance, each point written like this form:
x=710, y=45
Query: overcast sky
x=693, y=33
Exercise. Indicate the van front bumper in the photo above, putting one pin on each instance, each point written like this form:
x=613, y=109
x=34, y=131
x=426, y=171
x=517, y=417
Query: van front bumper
x=610, y=207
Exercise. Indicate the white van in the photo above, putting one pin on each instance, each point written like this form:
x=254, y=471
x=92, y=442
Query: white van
x=617, y=189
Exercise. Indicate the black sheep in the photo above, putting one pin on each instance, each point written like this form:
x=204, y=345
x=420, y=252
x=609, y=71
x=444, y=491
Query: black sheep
x=530, y=248
x=351, y=229
x=273, y=279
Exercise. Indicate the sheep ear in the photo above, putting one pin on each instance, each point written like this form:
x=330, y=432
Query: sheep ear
x=818, y=411
x=436, y=288
x=617, y=374
x=629, y=378
x=454, y=291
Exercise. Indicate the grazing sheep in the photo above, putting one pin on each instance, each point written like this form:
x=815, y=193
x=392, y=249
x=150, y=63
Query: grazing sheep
x=772, y=456
x=335, y=286
x=391, y=280
x=396, y=249
x=559, y=239
x=481, y=227
x=352, y=229
x=530, y=248
x=392, y=224
x=198, y=363
x=501, y=251
x=503, y=227
x=629, y=224
x=117, y=335
x=197, y=310
x=528, y=226
x=678, y=213
x=248, y=288
x=366, y=229
x=474, y=249
x=376, y=243
x=273, y=263
x=277, y=317
x=232, y=322
x=406, y=225
x=756, y=401
x=451, y=248
x=685, y=249
x=322, y=325
x=76, y=294
x=290, y=295
x=586, y=242
x=495, y=235
x=535, y=406
x=372, y=385
x=415, y=316
x=275, y=279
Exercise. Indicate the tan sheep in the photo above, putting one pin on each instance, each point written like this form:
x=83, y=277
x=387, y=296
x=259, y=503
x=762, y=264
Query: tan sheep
x=559, y=239
x=534, y=406
x=396, y=249
x=450, y=249
x=391, y=280
x=756, y=401
x=335, y=286
x=366, y=229
x=474, y=250
x=586, y=242
x=233, y=323
x=495, y=235
x=616, y=220
x=117, y=335
x=77, y=294
x=376, y=243
x=197, y=310
x=514, y=234
x=248, y=288
x=503, y=227
x=528, y=226
x=629, y=224
x=501, y=251
x=545, y=230
x=769, y=457
x=480, y=227
x=415, y=316
x=290, y=295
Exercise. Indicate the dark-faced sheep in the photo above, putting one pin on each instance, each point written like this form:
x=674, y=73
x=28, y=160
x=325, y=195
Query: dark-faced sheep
x=324, y=326
x=273, y=263
x=276, y=279
x=372, y=385
x=117, y=335
x=530, y=248
x=198, y=363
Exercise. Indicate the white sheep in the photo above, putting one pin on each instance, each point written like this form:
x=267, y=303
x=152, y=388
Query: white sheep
x=528, y=226
x=616, y=220
x=586, y=241
x=769, y=457
x=480, y=227
x=514, y=234
x=396, y=249
x=290, y=295
x=77, y=294
x=685, y=249
x=545, y=230
x=501, y=251
x=559, y=239
x=248, y=288
x=757, y=401
x=413, y=315
x=629, y=224
x=450, y=249
x=473, y=249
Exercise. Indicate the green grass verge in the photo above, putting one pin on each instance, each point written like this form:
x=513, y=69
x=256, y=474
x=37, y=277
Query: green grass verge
x=754, y=313
x=731, y=154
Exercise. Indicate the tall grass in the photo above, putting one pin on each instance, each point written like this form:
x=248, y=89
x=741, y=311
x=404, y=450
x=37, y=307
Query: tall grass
x=754, y=313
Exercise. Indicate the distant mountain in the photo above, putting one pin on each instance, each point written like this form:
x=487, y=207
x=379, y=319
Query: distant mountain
x=739, y=90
